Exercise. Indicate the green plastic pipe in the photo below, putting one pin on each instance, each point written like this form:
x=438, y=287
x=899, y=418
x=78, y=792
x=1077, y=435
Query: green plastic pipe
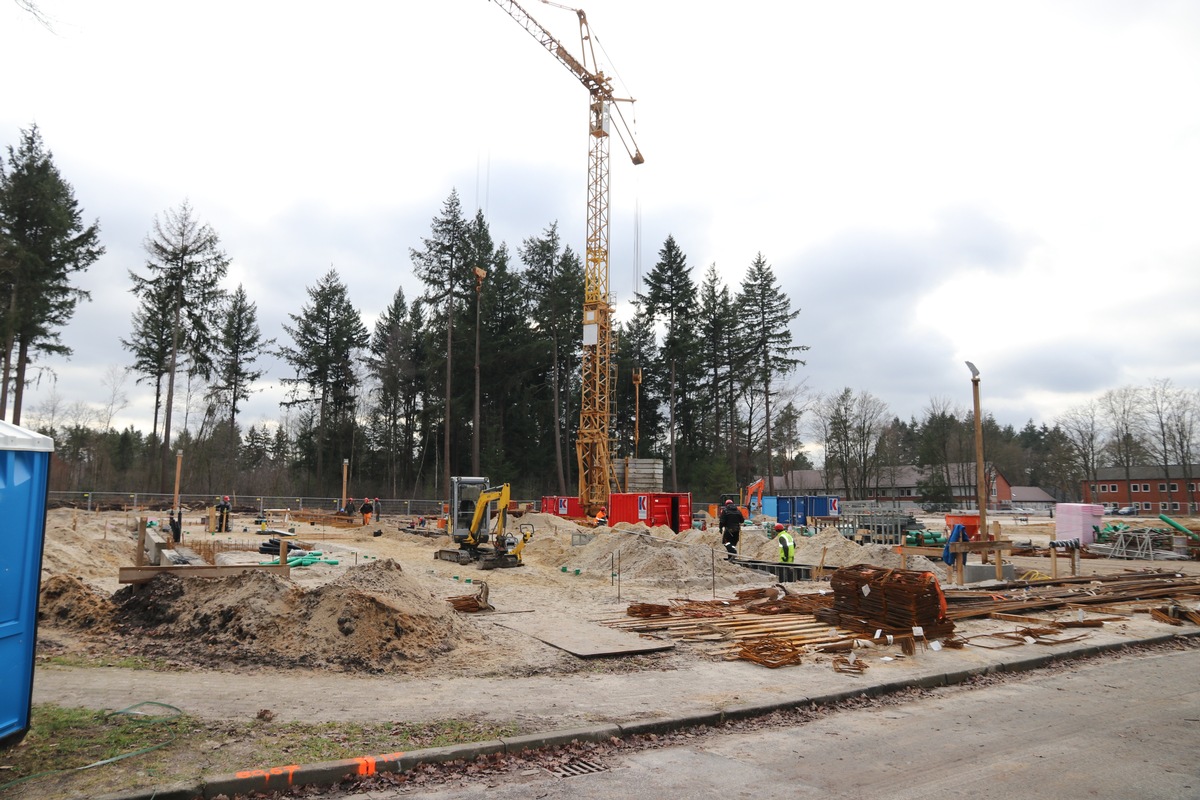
x=1177, y=526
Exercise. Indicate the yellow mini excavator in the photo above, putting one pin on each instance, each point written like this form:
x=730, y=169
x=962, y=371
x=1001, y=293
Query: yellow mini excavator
x=472, y=499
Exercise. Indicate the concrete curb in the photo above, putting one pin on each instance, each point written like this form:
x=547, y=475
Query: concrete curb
x=330, y=772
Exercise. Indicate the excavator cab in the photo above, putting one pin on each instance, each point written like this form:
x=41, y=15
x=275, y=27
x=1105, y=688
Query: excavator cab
x=464, y=500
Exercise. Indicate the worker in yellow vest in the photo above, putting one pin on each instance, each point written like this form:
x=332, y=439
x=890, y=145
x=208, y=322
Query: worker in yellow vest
x=787, y=545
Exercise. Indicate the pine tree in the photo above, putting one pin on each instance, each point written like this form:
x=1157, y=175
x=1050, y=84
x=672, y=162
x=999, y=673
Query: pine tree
x=768, y=336
x=240, y=345
x=670, y=298
x=641, y=429
x=327, y=336
x=42, y=244
x=397, y=390
x=185, y=267
x=716, y=354
x=150, y=344
x=553, y=280
x=442, y=266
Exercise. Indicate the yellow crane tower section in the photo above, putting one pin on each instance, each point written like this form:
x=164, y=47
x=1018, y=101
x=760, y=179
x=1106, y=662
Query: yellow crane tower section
x=596, y=474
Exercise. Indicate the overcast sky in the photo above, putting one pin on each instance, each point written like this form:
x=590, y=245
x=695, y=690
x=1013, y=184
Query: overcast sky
x=1011, y=183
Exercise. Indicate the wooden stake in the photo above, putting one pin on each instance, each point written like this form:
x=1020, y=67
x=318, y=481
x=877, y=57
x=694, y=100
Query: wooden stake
x=140, y=557
x=821, y=566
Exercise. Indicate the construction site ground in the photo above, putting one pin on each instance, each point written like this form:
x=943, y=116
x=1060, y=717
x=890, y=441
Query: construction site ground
x=373, y=637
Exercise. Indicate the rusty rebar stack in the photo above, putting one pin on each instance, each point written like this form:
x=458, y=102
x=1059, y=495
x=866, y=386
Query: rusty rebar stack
x=893, y=601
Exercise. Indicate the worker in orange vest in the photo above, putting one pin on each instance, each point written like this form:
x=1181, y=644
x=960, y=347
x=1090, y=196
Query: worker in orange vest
x=602, y=517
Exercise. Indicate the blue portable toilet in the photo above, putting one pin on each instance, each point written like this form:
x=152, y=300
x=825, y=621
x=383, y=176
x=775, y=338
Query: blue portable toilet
x=24, y=472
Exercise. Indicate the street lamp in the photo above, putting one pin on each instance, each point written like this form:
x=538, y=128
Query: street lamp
x=980, y=481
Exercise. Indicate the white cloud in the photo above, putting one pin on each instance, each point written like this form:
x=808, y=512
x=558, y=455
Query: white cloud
x=1012, y=183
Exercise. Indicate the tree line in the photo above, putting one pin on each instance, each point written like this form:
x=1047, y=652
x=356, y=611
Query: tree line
x=478, y=373
x=1126, y=428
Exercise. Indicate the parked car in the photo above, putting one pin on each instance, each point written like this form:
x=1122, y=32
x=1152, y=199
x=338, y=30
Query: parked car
x=1127, y=511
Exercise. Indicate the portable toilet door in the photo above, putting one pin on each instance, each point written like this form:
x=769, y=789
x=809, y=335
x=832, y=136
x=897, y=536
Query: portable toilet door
x=24, y=471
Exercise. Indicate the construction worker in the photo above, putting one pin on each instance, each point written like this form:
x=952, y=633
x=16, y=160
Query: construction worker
x=731, y=520
x=366, y=509
x=223, y=509
x=602, y=517
x=787, y=545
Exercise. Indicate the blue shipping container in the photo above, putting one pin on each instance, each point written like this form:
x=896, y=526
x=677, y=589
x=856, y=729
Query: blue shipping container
x=823, y=505
x=799, y=511
x=771, y=507
x=24, y=470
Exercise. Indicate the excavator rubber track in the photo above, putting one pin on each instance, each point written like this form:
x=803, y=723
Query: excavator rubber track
x=455, y=556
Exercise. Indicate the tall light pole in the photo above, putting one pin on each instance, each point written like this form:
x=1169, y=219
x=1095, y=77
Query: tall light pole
x=480, y=274
x=980, y=478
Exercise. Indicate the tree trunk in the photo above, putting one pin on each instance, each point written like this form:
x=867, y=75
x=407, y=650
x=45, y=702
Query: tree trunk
x=19, y=384
x=173, y=363
x=8, y=349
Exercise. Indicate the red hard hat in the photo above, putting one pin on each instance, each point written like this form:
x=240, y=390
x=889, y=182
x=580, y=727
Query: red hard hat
x=728, y=502
x=779, y=526
x=226, y=498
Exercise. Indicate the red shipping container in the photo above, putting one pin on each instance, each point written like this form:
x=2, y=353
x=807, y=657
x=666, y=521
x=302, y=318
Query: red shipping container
x=562, y=506
x=673, y=509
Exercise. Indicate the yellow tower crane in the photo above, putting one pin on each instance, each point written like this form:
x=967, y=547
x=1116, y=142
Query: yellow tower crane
x=596, y=474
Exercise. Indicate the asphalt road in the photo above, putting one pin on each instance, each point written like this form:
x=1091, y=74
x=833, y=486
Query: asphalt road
x=1117, y=728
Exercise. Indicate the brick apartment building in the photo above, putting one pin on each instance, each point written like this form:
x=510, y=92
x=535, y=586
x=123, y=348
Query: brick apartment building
x=1146, y=489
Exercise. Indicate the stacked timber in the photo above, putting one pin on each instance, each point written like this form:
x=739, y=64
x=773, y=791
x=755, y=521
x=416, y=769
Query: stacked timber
x=894, y=601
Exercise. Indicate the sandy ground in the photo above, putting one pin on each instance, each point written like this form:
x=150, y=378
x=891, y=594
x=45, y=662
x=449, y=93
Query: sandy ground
x=373, y=637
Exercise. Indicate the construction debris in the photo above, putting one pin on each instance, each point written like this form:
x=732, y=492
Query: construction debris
x=850, y=663
x=469, y=603
x=770, y=651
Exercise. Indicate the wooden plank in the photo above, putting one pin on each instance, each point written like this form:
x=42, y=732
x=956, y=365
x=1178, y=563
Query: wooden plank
x=581, y=638
x=143, y=574
x=979, y=547
x=912, y=550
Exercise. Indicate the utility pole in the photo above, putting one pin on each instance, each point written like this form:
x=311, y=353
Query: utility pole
x=981, y=487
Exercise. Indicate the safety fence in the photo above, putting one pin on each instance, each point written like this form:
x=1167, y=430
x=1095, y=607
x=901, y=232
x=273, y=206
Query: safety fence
x=155, y=501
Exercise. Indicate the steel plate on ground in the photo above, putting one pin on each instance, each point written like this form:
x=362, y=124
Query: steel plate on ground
x=580, y=637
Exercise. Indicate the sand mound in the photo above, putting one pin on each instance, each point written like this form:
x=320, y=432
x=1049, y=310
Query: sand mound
x=371, y=618
x=67, y=601
x=837, y=550
x=651, y=556
x=546, y=522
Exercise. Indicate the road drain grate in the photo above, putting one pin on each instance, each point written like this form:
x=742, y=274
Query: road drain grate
x=577, y=768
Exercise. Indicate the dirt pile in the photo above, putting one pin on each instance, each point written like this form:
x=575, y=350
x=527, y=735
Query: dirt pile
x=67, y=601
x=373, y=617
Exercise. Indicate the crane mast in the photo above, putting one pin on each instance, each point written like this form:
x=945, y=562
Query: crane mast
x=597, y=476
